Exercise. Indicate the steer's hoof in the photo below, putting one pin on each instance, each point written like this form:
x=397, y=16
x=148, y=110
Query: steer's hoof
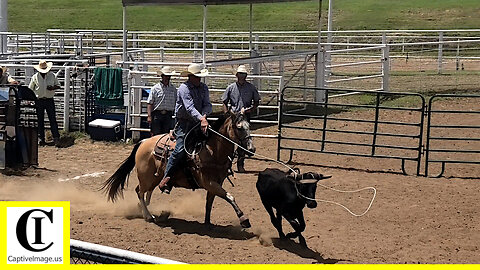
x=291, y=235
x=245, y=222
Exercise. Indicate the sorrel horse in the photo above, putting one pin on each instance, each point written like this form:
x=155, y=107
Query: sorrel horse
x=212, y=164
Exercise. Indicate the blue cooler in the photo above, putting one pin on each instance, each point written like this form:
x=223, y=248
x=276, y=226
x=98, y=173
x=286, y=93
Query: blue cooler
x=105, y=130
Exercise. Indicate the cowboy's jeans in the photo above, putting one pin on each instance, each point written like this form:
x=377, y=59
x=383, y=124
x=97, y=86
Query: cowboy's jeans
x=161, y=123
x=48, y=105
x=178, y=154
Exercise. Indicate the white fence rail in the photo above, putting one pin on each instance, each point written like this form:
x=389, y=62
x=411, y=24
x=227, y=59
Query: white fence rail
x=277, y=58
x=87, y=253
x=138, y=81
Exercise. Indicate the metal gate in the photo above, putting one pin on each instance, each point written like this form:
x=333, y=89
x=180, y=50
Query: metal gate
x=378, y=133
x=456, y=140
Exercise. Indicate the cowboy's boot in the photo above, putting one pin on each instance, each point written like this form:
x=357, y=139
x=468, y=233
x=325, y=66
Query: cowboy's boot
x=164, y=186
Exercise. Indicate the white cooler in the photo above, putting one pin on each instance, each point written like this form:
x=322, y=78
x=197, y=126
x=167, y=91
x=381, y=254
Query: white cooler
x=105, y=130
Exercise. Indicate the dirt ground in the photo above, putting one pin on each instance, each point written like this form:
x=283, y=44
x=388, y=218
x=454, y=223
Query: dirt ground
x=412, y=220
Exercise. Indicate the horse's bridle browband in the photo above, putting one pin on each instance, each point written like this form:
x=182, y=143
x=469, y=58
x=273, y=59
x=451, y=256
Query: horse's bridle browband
x=242, y=140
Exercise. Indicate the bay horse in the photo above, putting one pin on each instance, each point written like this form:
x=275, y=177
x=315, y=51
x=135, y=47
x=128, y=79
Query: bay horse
x=213, y=162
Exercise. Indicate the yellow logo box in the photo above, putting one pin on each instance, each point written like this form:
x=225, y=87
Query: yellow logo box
x=34, y=232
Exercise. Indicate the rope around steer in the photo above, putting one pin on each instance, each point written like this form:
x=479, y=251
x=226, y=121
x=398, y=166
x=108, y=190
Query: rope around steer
x=343, y=191
x=295, y=173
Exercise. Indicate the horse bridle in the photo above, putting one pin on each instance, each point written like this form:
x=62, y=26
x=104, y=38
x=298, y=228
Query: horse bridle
x=245, y=138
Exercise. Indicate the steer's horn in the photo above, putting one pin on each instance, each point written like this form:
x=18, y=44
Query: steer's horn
x=324, y=177
x=308, y=181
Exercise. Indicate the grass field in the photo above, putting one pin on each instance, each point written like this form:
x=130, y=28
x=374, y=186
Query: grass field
x=39, y=15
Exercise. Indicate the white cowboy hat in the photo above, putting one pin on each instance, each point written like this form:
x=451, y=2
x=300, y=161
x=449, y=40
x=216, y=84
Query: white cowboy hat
x=167, y=71
x=195, y=69
x=242, y=69
x=43, y=66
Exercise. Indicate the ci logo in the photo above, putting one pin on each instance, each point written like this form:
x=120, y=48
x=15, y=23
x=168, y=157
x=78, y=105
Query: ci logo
x=38, y=221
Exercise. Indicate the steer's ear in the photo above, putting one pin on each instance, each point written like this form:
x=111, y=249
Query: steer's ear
x=308, y=181
x=294, y=170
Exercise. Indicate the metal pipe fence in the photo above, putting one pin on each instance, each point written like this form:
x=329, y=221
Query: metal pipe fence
x=140, y=81
x=455, y=141
x=379, y=135
x=403, y=42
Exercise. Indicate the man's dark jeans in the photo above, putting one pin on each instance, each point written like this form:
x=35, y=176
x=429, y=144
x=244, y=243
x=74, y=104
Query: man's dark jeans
x=46, y=104
x=162, y=122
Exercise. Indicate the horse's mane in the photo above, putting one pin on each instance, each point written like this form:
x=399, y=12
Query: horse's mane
x=220, y=121
x=198, y=134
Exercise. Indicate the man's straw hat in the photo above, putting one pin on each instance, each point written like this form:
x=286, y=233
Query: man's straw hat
x=242, y=69
x=167, y=71
x=43, y=66
x=195, y=69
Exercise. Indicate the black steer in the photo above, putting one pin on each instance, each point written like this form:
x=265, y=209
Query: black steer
x=288, y=195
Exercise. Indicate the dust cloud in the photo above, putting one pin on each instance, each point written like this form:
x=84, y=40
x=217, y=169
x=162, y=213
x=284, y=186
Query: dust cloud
x=87, y=197
x=264, y=237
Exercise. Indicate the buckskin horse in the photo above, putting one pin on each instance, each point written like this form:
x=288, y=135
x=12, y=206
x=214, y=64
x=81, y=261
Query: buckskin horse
x=211, y=166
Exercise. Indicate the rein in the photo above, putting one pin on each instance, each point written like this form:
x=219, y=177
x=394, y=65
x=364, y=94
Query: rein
x=296, y=175
x=252, y=153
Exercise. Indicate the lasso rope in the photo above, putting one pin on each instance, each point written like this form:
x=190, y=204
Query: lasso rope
x=295, y=173
x=193, y=153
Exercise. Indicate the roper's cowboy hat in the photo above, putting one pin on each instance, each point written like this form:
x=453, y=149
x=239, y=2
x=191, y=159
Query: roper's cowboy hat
x=242, y=69
x=43, y=66
x=167, y=71
x=197, y=70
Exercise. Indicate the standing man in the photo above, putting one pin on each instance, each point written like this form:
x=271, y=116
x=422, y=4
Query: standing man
x=161, y=103
x=192, y=107
x=44, y=83
x=5, y=78
x=241, y=96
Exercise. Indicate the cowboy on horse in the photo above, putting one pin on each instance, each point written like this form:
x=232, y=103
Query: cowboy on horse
x=193, y=105
x=208, y=168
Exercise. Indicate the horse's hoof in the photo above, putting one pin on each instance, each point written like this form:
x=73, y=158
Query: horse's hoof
x=150, y=219
x=245, y=222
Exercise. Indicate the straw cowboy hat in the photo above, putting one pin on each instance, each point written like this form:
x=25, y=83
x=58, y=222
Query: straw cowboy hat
x=43, y=66
x=167, y=71
x=242, y=69
x=195, y=69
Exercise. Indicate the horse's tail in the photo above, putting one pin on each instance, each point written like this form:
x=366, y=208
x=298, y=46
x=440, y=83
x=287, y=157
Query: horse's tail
x=115, y=185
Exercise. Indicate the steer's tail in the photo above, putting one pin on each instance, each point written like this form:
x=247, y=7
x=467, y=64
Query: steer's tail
x=115, y=185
